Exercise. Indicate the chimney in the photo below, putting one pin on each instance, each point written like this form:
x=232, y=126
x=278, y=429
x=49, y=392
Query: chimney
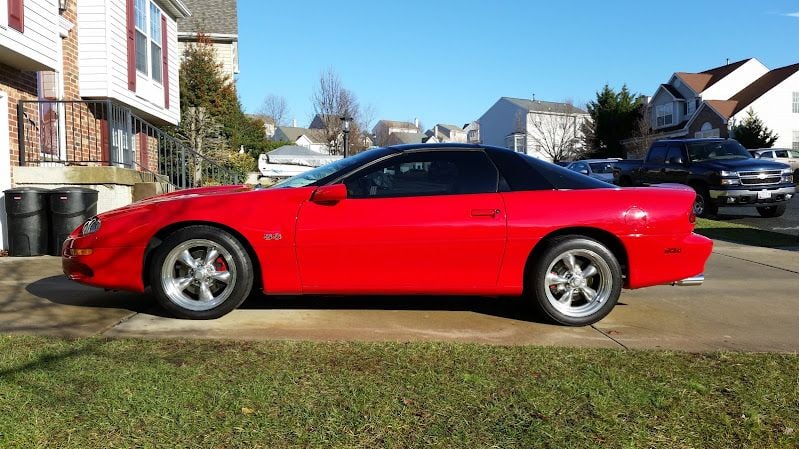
x=435, y=131
x=294, y=123
x=533, y=96
x=416, y=123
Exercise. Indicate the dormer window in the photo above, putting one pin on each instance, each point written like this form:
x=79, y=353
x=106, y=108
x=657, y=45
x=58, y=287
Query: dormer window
x=664, y=115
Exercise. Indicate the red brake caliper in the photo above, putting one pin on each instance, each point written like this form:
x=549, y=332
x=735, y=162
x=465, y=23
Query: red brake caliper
x=219, y=264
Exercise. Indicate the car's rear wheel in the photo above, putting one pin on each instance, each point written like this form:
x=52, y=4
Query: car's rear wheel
x=771, y=211
x=576, y=281
x=201, y=272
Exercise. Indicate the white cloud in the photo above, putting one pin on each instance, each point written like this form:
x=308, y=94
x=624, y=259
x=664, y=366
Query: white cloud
x=792, y=14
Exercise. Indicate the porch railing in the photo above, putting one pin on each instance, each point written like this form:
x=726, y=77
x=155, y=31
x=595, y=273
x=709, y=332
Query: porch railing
x=103, y=133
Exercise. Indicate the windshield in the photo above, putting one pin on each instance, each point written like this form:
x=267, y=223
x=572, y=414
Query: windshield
x=311, y=176
x=727, y=149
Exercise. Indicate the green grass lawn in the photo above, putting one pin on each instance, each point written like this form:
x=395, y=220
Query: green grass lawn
x=99, y=393
x=746, y=235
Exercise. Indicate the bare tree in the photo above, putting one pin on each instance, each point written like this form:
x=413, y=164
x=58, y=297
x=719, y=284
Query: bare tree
x=203, y=134
x=642, y=136
x=275, y=107
x=331, y=101
x=554, y=133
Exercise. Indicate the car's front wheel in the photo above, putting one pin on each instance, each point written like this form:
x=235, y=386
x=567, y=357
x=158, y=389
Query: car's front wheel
x=771, y=211
x=703, y=205
x=201, y=272
x=576, y=281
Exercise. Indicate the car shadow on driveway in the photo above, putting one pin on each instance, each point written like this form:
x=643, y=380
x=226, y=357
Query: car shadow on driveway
x=59, y=290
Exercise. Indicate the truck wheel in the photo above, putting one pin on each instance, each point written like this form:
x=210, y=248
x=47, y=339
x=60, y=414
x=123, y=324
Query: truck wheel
x=771, y=211
x=703, y=205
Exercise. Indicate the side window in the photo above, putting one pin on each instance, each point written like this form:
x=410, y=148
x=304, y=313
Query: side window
x=767, y=154
x=425, y=174
x=675, y=155
x=657, y=155
x=793, y=153
x=781, y=153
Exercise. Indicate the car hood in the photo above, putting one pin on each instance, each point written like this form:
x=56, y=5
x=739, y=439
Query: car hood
x=742, y=164
x=197, y=191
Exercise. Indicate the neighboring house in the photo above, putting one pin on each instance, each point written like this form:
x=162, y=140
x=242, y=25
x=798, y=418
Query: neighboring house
x=290, y=160
x=313, y=139
x=708, y=103
x=83, y=91
x=385, y=128
x=448, y=133
x=404, y=138
x=472, y=130
x=535, y=127
x=217, y=20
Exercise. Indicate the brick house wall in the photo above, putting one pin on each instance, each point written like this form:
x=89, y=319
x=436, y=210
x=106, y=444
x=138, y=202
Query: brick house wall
x=18, y=85
x=707, y=115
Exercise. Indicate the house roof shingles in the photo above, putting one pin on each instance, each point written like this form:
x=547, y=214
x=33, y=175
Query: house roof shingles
x=210, y=17
x=700, y=82
x=293, y=133
x=545, y=106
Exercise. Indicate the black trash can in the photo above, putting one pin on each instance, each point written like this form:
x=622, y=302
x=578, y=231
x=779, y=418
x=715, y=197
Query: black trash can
x=69, y=208
x=26, y=208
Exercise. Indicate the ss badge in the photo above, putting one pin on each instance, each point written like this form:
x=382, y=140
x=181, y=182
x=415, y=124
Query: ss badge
x=273, y=236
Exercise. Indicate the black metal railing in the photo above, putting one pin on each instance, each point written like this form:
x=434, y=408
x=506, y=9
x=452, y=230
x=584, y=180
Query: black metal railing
x=101, y=132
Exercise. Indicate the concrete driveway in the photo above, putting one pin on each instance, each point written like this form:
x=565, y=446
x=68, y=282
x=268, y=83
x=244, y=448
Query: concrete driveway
x=749, y=303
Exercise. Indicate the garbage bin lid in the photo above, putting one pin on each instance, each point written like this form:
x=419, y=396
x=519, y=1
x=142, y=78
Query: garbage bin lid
x=73, y=189
x=25, y=189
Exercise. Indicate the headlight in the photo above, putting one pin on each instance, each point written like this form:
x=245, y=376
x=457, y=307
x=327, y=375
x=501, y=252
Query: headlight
x=90, y=227
x=787, y=174
x=729, y=178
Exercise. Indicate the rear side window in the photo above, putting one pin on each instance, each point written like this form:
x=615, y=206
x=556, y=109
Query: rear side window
x=523, y=172
x=657, y=155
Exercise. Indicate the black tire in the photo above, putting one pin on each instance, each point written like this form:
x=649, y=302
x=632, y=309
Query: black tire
x=565, y=302
x=772, y=211
x=220, y=280
x=703, y=204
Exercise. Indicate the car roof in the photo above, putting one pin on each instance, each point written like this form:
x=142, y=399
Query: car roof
x=694, y=140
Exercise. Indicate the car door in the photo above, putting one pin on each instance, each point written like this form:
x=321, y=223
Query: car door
x=676, y=167
x=654, y=168
x=426, y=221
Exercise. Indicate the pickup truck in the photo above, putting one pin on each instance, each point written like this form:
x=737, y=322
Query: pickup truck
x=721, y=171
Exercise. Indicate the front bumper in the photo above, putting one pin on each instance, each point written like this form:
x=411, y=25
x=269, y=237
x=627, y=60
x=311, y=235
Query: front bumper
x=745, y=196
x=112, y=268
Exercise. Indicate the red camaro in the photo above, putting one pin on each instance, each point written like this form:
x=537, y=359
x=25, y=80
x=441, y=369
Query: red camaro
x=441, y=220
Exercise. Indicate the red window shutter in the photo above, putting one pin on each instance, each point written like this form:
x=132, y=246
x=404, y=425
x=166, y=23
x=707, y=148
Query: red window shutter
x=165, y=61
x=131, y=23
x=16, y=15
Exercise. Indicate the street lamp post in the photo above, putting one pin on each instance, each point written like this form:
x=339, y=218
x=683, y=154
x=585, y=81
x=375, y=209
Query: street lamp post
x=345, y=128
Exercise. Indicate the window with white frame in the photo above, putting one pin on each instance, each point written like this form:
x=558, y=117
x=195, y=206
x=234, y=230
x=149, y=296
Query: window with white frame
x=664, y=115
x=796, y=102
x=516, y=142
x=148, y=39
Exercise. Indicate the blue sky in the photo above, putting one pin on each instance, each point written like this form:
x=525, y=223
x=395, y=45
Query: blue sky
x=449, y=61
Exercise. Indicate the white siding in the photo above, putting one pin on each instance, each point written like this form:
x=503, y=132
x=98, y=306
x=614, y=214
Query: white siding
x=225, y=53
x=102, y=28
x=36, y=47
x=499, y=121
x=775, y=109
x=733, y=83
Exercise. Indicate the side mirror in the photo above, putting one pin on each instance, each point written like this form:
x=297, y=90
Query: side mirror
x=329, y=194
x=584, y=171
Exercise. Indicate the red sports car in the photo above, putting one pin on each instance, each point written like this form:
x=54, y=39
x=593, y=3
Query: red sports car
x=417, y=219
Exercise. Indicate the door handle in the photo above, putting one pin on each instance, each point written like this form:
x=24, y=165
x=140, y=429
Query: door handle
x=485, y=212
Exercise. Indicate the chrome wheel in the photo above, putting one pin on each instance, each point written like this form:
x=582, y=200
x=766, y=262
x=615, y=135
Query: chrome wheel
x=198, y=274
x=578, y=283
x=699, y=206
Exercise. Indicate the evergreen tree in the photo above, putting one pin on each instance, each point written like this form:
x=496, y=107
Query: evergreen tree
x=752, y=132
x=613, y=118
